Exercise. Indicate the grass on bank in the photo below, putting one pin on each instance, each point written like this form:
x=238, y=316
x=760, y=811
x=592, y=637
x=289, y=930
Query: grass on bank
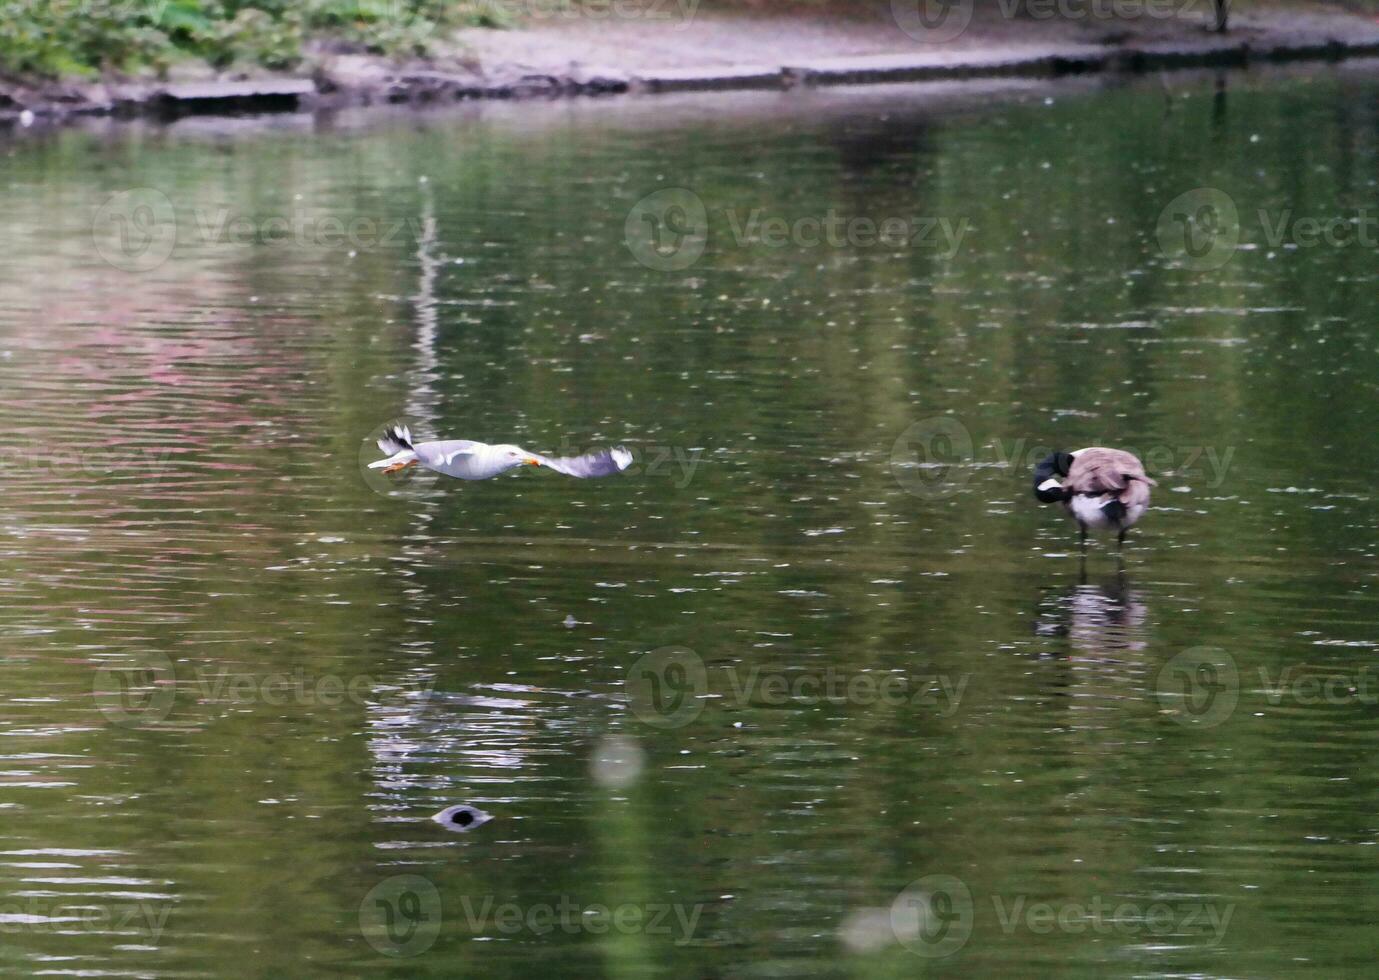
x=64, y=38
x=85, y=38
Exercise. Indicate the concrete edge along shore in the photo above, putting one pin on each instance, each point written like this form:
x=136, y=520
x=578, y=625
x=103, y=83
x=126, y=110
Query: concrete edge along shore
x=1267, y=37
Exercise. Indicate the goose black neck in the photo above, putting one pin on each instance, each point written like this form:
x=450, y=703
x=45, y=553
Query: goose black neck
x=1055, y=465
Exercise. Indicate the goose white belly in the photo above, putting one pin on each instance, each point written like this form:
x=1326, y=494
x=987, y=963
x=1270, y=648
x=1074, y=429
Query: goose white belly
x=1088, y=511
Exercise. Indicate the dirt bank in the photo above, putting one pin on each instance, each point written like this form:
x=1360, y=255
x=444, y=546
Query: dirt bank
x=675, y=45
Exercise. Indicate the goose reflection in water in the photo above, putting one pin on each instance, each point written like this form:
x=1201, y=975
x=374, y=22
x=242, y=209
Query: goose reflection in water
x=1100, y=621
x=1101, y=644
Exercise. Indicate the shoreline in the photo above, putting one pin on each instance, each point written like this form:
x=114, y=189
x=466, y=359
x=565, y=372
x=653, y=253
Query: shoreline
x=551, y=62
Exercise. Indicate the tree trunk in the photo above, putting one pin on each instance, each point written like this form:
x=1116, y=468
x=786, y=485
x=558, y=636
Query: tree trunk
x=1223, y=11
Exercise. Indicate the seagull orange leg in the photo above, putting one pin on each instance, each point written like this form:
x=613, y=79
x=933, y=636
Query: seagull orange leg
x=399, y=466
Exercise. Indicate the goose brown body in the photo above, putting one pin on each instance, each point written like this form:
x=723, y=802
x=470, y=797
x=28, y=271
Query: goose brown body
x=1101, y=488
x=1114, y=473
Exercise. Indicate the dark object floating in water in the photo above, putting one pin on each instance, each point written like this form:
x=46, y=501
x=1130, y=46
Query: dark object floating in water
x=462, y=817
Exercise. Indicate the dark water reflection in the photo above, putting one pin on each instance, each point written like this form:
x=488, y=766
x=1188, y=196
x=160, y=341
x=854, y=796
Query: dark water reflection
x=886, y=669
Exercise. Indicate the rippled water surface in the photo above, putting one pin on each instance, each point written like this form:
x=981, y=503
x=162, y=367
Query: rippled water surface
x=815, y=688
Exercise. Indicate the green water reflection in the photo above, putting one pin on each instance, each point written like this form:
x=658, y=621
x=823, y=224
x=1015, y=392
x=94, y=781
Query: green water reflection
x=890, y=669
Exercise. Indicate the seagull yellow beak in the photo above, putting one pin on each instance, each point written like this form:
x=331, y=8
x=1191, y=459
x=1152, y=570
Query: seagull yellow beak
x=533, y=461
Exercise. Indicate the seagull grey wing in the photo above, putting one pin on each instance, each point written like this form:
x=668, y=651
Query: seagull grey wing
x=445, y=452
x=605, y=462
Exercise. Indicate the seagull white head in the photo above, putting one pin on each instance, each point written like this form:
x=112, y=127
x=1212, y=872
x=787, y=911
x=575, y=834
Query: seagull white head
x=519, y=455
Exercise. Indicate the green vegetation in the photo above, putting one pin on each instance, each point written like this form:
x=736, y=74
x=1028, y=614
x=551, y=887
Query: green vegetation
x=83, y=37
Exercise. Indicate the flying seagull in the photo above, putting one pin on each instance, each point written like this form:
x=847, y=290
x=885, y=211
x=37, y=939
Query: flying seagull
x=1102, y=489
x=469, y=460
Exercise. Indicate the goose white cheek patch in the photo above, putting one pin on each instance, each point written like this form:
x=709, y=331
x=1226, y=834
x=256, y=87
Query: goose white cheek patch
x=1050, y=484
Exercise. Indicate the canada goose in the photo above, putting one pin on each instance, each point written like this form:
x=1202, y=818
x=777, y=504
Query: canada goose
x=1102, y=489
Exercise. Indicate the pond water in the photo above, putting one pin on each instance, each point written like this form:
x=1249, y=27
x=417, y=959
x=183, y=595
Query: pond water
x=816, y=687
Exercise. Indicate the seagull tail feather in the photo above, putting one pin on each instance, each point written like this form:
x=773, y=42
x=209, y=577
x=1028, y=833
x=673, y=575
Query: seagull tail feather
x=396, y=442
x=395, y=439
